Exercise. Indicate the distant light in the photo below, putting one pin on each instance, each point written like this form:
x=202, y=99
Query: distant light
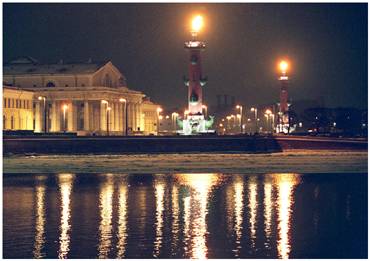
x=160, y=117
x=122, y=100
x=159, y=109
x=197, y=23
x=104, y=102
x=334, y=124
x=221, y=125
x=300, y=124
x=109, y=108
x=65, y=107
x=40, y=98
x=167, y=117
x=204, y=106
x=268, y=112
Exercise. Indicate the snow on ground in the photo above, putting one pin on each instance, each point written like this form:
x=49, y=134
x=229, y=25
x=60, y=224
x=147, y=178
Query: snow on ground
x=297, y=161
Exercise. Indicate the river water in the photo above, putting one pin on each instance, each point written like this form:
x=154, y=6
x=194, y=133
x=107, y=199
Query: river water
x=207, y=215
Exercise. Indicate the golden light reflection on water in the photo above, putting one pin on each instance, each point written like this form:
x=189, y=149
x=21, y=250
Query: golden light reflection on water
x=285, y=183
x=200, y=187
x=175, y=218
x=186, y=220
x=238, y=211
x=122, y=220
x=252, y=205
x=40, y=221
x=267, y=204
x=159, y=187
x=106, y=210
x=65, y=186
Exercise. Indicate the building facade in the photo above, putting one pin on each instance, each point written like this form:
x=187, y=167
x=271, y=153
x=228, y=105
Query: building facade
x=87, y=98
x=17, y=109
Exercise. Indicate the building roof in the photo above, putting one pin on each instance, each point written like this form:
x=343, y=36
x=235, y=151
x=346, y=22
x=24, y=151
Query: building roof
x=13, y=88
x=29, y=65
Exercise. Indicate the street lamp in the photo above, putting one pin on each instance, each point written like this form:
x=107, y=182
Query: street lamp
x=123, y=100
x=228, y=122
x=45, y=122
x=65, y=108
x=174, y=116
x=204, y=107
x=241, y=117
x=268, y=114
x=159, y=110
x=253, y=109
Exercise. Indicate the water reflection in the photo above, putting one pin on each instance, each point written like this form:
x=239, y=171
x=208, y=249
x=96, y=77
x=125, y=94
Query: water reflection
x=253, y=206
x=200, y=185
x=159, y=187
x=106, y=210
x=122, y=219
x=238, y=211
x=175, y=218
x=182, y=216
x=285, y=185
x=40, y=219
x=267, y=203
x=65, y=186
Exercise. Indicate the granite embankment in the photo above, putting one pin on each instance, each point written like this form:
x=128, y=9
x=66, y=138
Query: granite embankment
x=178, y=144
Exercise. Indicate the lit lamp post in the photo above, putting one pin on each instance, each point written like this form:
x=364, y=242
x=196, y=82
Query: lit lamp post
x=65, y=108
x=268, y=114
x=123, y=100
x=159, y=110
x=174, y=116
x=228, y=122
x=255, y=117
x=241, y=117
x=204, y=107
x=45, y=122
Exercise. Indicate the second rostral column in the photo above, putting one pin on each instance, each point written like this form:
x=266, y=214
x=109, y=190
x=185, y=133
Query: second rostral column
x=195, y=122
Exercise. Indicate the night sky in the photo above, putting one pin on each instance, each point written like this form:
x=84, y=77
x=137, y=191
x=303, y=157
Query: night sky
x=326, y=44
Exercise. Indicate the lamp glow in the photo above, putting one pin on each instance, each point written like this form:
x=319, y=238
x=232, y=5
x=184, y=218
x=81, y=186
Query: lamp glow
x=283, y=65
x=197, y=23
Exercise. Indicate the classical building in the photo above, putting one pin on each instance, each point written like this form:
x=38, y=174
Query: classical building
x=17, y=109
x=87, y=98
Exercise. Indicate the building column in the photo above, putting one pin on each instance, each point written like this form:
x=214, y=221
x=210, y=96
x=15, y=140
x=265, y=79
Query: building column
x=70, y=117
x=38, y=118
x=86, y=116
x=53, y=116
x=134, y=117
x=116, y=115
x=103, y=116
x=112, y=117
x=129, y=116
x=58, y=111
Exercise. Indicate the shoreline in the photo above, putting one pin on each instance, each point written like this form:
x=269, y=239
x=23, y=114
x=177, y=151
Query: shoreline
x=292, y=161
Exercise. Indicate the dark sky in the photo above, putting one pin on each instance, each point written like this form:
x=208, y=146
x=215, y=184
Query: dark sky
x=326, y=44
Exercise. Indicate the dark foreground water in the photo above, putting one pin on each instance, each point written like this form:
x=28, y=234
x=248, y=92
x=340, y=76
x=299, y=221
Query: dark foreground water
x=185, y=216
